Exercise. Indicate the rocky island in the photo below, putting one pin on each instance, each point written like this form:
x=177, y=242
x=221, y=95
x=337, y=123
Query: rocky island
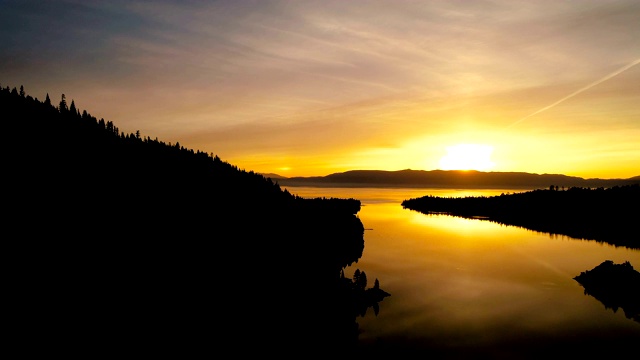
x=615, y=286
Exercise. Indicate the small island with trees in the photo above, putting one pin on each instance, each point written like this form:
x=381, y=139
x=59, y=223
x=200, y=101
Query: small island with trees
x=616, y=286
x=608, y=215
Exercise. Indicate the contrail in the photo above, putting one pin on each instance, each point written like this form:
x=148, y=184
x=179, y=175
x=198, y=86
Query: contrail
x=622, y=69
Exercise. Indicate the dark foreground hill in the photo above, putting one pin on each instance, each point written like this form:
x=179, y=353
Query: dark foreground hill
x=116, y=242
x=450, y=179
x=604, y=214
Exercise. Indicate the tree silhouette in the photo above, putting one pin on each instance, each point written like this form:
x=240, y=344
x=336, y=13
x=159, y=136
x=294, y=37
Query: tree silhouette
x=608, y=215
x=359, y=279
x=72, y=108
x=63, y=104
x=111, y=182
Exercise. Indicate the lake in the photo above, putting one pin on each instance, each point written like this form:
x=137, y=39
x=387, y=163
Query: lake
x=462, y=287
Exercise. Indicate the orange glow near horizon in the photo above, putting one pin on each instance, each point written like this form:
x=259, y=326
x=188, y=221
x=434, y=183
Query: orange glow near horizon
x=315, y=88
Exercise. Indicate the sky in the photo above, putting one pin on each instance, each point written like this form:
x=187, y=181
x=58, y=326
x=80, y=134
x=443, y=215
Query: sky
x=310, y=88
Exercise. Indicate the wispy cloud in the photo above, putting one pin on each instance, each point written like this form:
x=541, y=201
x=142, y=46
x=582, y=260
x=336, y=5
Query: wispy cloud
x=585, y=88
x=380, y=72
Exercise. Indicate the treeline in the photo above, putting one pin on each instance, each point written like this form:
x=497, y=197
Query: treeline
x=604, y=214
x=173, y=245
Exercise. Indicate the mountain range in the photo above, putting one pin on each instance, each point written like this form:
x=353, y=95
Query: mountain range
x=448, y=179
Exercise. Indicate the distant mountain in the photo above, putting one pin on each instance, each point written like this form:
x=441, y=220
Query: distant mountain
x=450, y=179
x=273, y=176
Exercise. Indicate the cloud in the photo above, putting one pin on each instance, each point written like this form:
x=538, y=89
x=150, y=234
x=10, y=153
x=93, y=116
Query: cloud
x=287, y=74
x=585, y=88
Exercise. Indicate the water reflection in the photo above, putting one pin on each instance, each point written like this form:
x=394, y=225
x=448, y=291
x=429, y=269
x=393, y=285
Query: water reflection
x=463, y=286
x=604, y=215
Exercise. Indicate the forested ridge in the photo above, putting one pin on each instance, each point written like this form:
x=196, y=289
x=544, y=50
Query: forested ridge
x=603, y=214
x=119, y=240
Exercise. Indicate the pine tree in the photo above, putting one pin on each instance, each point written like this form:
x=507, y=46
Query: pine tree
x=47, y=101
x=362, y=281
x=63, y=104
x=72, y=108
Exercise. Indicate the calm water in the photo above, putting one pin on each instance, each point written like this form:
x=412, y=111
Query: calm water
x=475, y=287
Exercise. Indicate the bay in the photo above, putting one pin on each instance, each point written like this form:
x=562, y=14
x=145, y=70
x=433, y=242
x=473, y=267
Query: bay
x=465, y=288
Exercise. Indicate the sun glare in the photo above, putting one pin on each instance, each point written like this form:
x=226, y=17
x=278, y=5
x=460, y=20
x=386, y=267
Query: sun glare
x=467, y=157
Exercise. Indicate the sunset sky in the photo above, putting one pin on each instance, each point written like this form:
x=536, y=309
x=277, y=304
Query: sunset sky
x=307, y=88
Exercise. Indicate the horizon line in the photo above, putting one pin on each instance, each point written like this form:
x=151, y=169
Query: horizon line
x=450, y=170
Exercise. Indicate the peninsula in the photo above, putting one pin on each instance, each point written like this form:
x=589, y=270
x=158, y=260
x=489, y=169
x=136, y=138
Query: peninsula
x=607, y=215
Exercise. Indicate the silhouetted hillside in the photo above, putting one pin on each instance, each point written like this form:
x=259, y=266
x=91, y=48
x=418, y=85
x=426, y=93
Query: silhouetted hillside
x=451, y=179
x=604, y=214
x=119, y=240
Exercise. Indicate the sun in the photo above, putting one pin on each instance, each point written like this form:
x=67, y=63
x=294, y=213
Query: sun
x=467, y=157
